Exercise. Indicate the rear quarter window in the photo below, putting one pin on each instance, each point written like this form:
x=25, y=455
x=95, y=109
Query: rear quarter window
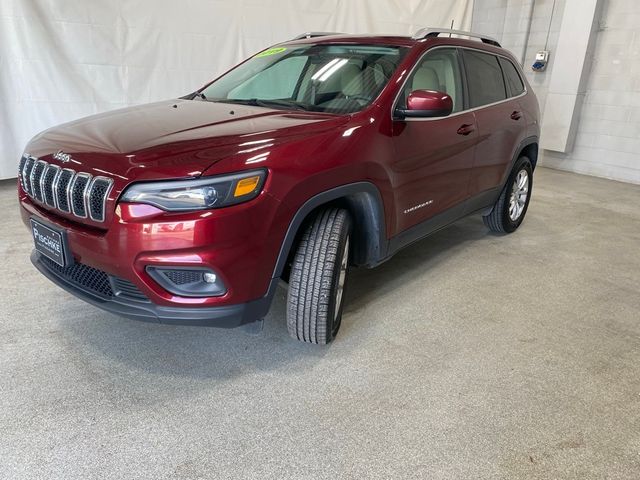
x=512, y=77
x=484, y=77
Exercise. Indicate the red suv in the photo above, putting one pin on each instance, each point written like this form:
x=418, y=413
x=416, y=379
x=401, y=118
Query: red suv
x=312, y=156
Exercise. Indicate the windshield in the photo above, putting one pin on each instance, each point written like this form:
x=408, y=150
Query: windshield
x=319, y=78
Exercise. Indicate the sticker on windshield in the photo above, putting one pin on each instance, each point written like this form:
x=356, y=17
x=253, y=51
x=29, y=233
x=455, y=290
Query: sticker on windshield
x=271, y=51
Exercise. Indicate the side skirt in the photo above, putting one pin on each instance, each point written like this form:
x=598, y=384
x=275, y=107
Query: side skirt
x=481, y=203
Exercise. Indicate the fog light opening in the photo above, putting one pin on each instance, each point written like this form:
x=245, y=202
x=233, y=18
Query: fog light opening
x=188, y=281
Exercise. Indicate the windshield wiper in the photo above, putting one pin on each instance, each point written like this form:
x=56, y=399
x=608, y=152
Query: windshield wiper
x=194, y=95
x=257, y=102
x=283, y=103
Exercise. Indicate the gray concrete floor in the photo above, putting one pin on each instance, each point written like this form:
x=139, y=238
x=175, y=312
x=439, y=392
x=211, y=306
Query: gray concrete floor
x=467, y=356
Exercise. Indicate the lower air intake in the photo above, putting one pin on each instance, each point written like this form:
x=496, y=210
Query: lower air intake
x=83, y=276
x=95, y=281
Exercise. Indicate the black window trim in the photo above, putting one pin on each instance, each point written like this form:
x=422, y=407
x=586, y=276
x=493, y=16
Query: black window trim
x=464, y=81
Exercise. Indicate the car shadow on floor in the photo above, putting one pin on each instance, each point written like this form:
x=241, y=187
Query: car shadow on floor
x=415, y=259
x=220, y=354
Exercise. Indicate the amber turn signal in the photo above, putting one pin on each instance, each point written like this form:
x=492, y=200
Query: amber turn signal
x=246, y=186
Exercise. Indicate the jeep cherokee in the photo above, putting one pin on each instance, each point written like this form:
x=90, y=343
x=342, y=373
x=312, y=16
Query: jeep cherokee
x=312, y=156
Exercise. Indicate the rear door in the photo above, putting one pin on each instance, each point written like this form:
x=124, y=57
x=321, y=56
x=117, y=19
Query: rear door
x=434, y=156
x=498, y=118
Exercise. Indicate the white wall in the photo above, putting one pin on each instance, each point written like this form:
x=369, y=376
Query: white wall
x=64, y=59
x=608, y=138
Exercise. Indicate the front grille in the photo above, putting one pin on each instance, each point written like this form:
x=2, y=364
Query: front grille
x=81, y=194
x=95, y=281
x=83, y=276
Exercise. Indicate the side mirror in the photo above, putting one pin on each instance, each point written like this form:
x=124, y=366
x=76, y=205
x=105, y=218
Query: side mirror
x=426, y=103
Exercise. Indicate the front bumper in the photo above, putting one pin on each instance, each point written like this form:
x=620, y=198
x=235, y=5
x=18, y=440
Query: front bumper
x=138, y=307
x=240, y=244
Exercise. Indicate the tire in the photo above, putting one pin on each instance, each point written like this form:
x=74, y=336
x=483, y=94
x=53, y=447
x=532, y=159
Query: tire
x=318, y=277
x=505, y=217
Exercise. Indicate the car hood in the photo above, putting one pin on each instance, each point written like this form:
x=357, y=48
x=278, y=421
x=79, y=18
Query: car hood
x=176, y=138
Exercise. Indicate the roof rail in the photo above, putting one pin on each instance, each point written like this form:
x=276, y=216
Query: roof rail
x=315, y=34
x=434, y=32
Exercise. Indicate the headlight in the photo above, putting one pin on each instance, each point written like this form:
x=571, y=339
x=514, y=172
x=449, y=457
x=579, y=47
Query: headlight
x=199, y=193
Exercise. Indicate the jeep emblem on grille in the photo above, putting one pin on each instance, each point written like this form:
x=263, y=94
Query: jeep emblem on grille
x=61, y=156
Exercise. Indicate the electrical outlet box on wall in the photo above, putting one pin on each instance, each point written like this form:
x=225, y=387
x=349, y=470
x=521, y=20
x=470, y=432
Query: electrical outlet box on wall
x=540, y=64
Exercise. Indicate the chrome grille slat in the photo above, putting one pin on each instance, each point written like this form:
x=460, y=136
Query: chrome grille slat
x=26, y=175
x=43, y=198
x=53, y=172
x=47, y=184
x=62, y=189
x=54, y=188
x=97, y=197
x=36, y=175
x=23, y=161
x=80, y=194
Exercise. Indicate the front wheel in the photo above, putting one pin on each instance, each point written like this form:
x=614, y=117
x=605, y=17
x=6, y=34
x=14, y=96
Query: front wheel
x=318, y=277
x=510, y=208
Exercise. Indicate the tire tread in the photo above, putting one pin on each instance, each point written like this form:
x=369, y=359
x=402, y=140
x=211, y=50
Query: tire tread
x=311, y=282
x=496, y=220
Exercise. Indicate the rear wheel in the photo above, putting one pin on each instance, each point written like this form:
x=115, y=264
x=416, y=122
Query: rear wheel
x=511, y=207
x=318, y=277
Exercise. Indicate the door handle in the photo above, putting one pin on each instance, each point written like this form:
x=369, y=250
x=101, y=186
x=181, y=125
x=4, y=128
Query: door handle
x=466, y=129
x=516, y=115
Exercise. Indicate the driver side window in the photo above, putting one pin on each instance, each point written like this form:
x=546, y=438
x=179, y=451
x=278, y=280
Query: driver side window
x=438, y=70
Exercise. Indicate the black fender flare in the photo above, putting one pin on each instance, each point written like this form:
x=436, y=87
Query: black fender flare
x=364, y=201
x=533, y=140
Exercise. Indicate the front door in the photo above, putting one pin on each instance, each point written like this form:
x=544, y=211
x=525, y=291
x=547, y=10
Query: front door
x=434, y=156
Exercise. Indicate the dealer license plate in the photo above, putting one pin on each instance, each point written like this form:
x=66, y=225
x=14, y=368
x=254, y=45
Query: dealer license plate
x=49, y=242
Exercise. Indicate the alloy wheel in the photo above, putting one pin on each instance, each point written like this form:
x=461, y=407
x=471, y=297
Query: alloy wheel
x=519, y=194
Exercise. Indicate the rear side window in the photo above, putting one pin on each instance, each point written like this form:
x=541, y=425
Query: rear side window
x=484, y=76
x=514, y=81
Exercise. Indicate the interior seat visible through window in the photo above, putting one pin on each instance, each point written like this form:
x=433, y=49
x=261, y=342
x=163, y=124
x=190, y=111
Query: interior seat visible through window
x=426, y=78
x=439, y=70
x=348, y=82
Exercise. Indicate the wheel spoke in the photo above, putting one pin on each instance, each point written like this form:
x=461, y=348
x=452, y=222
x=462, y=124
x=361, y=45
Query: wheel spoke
x=522, y=181
x=519, y=195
